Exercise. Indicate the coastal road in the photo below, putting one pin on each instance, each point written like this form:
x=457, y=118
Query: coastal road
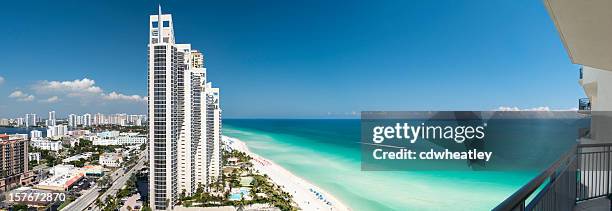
x=120, y=182
x=92, y=194
x=81, y=203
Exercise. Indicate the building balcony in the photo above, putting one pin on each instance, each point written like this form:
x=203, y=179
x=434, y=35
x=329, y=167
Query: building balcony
x=580, y=180
x=584, y=105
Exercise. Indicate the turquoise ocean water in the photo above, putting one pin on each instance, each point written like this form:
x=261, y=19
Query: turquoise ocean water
x=327, y=153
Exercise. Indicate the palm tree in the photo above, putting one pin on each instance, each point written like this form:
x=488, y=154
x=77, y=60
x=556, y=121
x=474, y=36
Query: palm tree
x=241, y=204
x=98, y=202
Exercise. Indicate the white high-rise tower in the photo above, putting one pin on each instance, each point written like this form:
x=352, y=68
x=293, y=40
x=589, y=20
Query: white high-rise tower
x=52, y=120
x=181, y=146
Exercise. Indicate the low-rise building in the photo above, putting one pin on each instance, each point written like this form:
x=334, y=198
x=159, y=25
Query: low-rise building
x=111, y=159
x=34, y=134
x=79, y=133
x=34, y=156
x=63, y=177
x=93, y=171
x=20, y=135
x=121, y=139
x=85, y=156
x=57, y=131
x=46, y=144
x=72, y=141
x=108, y=134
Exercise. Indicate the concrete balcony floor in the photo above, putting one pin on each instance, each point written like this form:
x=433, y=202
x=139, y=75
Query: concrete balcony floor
x=600, y=204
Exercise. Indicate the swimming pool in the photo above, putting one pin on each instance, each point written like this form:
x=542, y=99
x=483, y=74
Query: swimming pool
x=235, y=196
x=242, y=193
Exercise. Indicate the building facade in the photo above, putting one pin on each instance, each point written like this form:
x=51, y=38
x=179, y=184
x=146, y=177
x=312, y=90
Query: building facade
x=30, y=120
x=181, y=152
x=35, y=134
x=14, y=162
x=57, y=131
x=46, y=144
x=51, y=121
x=111, y=160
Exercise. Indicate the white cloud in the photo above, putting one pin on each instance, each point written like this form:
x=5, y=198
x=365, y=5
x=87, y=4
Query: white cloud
x=52, y=99
x=72, y=88
x=17, y=94
x=83, y=89
x=1, y=80
x=26, y=99
x=119, y=96
x=21, y=96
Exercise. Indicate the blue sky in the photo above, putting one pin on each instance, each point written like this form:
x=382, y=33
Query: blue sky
x=290, y=59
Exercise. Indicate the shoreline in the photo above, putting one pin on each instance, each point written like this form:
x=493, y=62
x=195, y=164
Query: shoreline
x=304, y=192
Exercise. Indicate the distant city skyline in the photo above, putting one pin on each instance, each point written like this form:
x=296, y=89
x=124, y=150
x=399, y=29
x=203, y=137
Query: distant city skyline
x=63, y=117
x=74, y=120
x=314, y=59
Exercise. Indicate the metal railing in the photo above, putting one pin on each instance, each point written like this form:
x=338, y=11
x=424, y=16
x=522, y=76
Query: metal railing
x=594, y=175
x=584, y=104
x=581, y=174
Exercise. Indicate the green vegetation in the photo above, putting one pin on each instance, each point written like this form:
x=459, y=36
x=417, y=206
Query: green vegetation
x=111, y=204
x=104, y=182
x=19, y=207
x=65, y=203
x=78, y=163
x=273, y=194
x=242, y=157
x=263, y=190
x=146, y=208
x=87, y=146
x=32, y=163
x=132, y=159
x=129, y=129
x=114, y=202
x=50, y=158
x=130, y=188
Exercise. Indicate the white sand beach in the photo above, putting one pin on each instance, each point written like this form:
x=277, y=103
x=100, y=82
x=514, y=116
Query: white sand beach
x=305, y=194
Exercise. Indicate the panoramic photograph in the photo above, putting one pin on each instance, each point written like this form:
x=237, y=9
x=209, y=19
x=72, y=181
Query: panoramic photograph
x=306, y=105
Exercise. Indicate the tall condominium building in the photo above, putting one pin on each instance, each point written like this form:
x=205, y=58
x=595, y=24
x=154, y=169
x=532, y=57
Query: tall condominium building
x=51, y=121
x=87, y=120
x=72, y=120
x=182, y=146
x=116, y=119
x=57, y=131
x=30, y=120
x=19, y=122
x=5, y=122
x=14, y=162
x=213, y=132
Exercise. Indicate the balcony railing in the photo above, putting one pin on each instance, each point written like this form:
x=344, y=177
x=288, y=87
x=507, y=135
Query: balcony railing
x=584, y=104
x=583, y=173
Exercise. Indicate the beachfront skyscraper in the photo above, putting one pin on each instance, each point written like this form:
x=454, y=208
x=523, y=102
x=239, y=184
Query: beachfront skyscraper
x=213, y=130
x=184, y=148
